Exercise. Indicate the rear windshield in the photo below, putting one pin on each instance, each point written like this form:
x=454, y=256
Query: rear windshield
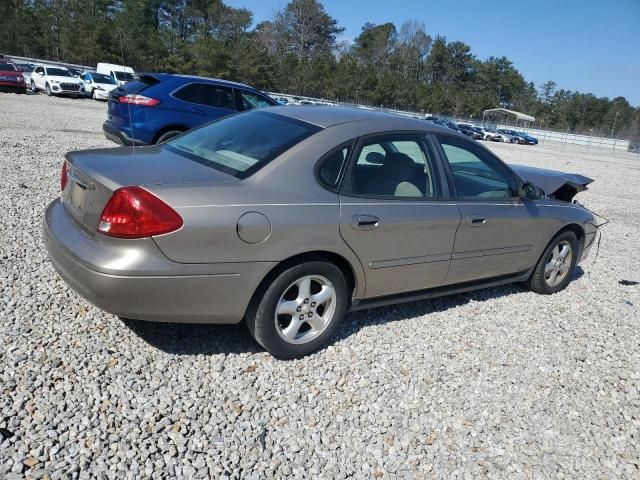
x=242, y=144
x=7, y=67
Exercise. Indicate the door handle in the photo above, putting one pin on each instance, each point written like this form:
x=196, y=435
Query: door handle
x=476, y=220
x=198, y=111
x=365, y=222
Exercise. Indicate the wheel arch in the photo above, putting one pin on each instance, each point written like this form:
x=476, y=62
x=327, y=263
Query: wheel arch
x=169, y=128
x=575, y=228
x=345, y=266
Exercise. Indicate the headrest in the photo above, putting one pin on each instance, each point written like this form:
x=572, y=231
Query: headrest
x=398, y=166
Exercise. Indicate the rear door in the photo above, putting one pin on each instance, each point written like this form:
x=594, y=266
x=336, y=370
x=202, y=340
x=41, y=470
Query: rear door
x=204, y=102
x=499, y=231
x=396, y=214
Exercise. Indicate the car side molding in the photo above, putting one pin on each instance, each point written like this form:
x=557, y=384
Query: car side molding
x=376, y=302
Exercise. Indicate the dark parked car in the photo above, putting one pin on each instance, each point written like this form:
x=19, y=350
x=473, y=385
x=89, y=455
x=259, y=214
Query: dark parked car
x=291, y=216
x=11, y=78
x=469, y=131
x=443, y=122
x=158, y=106
x=523, y=138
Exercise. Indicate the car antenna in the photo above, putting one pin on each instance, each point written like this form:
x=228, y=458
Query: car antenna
x=133, y=148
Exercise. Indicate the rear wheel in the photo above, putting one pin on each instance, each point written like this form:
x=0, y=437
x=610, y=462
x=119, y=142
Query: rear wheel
x=168, y=135
x=555, y=267
x=300, y=310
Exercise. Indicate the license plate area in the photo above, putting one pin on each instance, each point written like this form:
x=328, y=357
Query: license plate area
x=74, y=198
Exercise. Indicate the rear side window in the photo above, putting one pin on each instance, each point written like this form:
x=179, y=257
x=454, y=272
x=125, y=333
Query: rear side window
x=242, y=144
x=215, y=96
x=207, y=94
x=188, y=93
x=332, y=166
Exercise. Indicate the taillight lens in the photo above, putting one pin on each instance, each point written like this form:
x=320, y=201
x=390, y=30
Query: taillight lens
x=139, y=100
x=64, y=176
x=133, y=212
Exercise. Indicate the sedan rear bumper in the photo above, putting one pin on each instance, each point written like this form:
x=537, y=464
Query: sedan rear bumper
x=161, y=290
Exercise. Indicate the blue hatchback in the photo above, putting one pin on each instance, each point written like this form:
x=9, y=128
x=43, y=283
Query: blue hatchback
x=158, y=106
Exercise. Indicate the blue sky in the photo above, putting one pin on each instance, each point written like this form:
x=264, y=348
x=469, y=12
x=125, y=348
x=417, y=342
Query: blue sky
x=589, y=46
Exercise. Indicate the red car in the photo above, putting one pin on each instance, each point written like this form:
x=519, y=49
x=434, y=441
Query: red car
x=11, y=78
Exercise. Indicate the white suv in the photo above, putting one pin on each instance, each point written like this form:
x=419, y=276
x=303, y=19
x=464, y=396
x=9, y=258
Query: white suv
x=55, y=81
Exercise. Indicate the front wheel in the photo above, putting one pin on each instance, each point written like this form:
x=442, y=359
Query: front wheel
x=33, y=87
x=555, y=267
x=300, y=310
x=47, y=89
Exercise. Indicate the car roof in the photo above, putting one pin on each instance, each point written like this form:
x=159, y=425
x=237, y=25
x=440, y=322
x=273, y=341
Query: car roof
x=328, y=116
x=216, y=80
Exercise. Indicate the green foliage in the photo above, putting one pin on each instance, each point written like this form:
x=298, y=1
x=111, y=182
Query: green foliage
x=296, y=52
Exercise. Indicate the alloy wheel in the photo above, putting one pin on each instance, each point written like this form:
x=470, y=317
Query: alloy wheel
x=305, y=309
x=558, y=264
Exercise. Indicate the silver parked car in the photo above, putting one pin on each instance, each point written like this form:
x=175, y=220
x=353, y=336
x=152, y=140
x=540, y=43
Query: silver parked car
x=289, y=217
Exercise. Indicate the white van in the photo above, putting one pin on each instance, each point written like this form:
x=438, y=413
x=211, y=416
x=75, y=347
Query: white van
x=119, y=73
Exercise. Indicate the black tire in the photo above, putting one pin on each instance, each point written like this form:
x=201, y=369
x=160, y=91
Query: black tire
x=47, y=89
x=33, y=87
x=261, y=315
x=167, y=136
x=538, y=281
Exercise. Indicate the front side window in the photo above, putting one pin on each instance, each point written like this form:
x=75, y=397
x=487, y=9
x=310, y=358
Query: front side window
x=395, y=167
x=477, y=174
x=242, y=144
x=252, y=100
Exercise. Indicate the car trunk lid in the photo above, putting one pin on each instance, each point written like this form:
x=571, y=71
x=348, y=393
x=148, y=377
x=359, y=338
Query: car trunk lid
x=94, y=175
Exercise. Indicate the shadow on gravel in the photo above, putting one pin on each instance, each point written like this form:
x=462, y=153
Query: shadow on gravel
x=194, y=339
x=357, y=320
x=199, y=339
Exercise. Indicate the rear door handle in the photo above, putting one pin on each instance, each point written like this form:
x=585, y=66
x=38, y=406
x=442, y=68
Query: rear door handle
x=198, y=111
x=476, y=220
x=365, y=222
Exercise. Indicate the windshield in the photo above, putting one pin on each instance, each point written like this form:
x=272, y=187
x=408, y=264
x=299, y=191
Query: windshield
x=123, y=76
x=7, y=67
x=101, y=78
x=58, y=72
x=242, y=144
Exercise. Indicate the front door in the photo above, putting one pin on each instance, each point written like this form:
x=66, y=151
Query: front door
x=396, y=215
x=499, y=231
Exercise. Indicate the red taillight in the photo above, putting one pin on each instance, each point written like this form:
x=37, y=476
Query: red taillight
x=133, y=212
x=64, y=177
x=134, y=99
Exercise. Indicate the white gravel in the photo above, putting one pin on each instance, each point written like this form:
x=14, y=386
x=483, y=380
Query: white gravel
x=501, y=383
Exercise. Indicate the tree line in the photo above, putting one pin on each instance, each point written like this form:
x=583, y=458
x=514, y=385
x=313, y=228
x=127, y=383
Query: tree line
x=298, y=52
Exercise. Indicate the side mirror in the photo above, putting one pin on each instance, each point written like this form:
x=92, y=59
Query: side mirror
x=532, y=192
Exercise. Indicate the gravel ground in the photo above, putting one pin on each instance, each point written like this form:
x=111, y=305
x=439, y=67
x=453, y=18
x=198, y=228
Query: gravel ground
x=500, y=383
